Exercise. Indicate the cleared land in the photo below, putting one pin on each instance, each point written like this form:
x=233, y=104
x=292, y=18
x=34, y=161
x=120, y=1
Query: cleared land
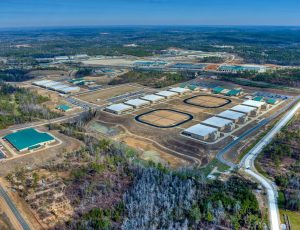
x=164, y=118
x=207, y=101
x=99, y=97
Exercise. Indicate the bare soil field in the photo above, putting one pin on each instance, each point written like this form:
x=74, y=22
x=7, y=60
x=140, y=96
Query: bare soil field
x=145, y=146
x=99, y=97
x=208, y=101
x=163, y=118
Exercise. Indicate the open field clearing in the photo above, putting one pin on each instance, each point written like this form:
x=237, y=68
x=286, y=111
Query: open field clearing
x=99, y=97
x=208, y=101
x=163, y=118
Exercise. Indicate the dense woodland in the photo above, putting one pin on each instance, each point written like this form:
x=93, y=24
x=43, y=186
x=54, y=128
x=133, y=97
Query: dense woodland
x=275, y=45
x=281, y=77
x=19, y=105
x=281, y=161
x=156, y=79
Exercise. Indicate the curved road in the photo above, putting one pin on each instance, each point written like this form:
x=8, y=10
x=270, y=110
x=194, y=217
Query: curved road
x=248, y=164
x=220, y=154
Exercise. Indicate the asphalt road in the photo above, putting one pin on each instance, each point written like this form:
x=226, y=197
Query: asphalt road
x=14, y=209
x=248, y=164
x=220, y=154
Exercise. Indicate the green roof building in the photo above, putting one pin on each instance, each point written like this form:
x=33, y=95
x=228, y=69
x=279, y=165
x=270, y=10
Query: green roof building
x=63, y=108
x=258, y=98
x=28, y=139
x=217, y=90
x=271, y=101
x=234, y=92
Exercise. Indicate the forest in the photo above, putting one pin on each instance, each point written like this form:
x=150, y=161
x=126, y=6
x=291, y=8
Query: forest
x=281, y=77
x=18, y=105
x=155, y=79
x=281, y=162
x=261, y=45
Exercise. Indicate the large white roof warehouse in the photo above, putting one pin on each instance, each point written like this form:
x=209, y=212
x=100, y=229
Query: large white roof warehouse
x=136, y=103
x=243, y=109
x=217, y=122
x=152, y=98
x=252, y=103
x=118, y=108
x=200, y=131
x=231, y=115
x=167, y=94
x=179, y=90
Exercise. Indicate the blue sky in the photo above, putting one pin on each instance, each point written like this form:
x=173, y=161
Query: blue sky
x=19, y=13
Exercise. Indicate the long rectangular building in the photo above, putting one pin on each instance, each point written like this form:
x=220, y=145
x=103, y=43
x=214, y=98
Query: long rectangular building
x=118, y=108
x=179, y=90
x=137, y=103
x=201, y=132
x=219, y=123
x=245, y=109
x=167, y=94
x=254, y=103
x=234, y=116
x=152, y=98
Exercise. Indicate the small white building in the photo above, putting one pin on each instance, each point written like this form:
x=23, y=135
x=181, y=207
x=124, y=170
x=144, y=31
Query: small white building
x=118, y=108
x=245, y=109
x=234, y=116
x=255, y=104
x=167, y=94
x=137, y=103
x=202, y=132
x=152, y=98
x=219, y=123
x=179, y=90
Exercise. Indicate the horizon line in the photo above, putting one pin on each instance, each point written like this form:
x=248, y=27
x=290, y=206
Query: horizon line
x=144, y=25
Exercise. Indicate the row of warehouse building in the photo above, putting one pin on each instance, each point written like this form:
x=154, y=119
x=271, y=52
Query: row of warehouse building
x=57, y=86
x=225, y=121
x=145, y=100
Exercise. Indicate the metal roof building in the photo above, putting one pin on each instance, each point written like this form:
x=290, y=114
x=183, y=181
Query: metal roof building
x=244, y=109
x=201, y=132
x=217, y=122
x=118, y=108
x=58, y=87
x=253, y=103
x=69, y=89
x=51, y=84
x=152, y=98
x=167, y=94
x=179, y=90
x=41, y=83
x=137, y=103
x=232, y=115
x=28, y=139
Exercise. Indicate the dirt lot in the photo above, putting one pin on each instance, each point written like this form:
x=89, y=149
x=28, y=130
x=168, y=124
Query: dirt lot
x=163, y=118
x=150, y=152
x=207, y=101
x=99, y=97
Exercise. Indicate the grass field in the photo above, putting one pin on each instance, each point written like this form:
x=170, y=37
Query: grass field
x=293, y=216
